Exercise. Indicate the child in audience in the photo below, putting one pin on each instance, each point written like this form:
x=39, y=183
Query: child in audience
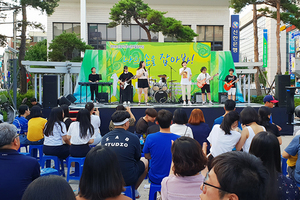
x=186, y=175
x=157, y=148
x=95, y=121
x=101, y=176
x=22, y=124
x=36, y=126
x=266, y=147
x=179, y=126
x=81, y=134
x=67, y=120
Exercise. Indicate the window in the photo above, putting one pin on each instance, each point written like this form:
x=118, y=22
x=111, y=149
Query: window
x=59, y=28
x=134, y=32
x=212, y=34
x=99, y=34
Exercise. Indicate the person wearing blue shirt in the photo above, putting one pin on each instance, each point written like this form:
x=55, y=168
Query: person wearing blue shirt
x=229, y=106
x=22, y=124
x=157, y=148
x=270, y=102
x=17, y=170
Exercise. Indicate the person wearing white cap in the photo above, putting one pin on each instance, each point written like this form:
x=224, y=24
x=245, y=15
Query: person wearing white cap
x=127, y=147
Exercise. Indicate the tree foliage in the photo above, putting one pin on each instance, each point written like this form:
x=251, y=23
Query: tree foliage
x=37, y=52
x=126, y=11
x=65, y=46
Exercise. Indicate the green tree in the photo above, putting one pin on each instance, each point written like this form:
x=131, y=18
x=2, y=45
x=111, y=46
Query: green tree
x=124, y=11
x=37, y=52
x=64, y=46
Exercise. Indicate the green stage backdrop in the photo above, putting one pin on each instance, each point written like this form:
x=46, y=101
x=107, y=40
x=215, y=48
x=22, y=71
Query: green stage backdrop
x=159, y=57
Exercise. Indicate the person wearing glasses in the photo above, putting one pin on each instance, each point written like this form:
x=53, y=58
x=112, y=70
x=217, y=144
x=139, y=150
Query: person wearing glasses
x=185, y=174
x=17, y=170
x=235, y=175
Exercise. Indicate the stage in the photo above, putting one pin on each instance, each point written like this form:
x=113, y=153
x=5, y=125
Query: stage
x=211, y=112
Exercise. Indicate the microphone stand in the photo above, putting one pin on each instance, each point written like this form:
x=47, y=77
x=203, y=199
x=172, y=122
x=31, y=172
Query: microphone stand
x=171, y=69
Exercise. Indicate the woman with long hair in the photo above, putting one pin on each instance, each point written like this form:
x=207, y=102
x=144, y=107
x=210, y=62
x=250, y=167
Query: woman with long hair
x=249, y=119
x=143, y=81
x=101, y=176
x=36, y=125
x=266, y=147
x=185, y=179
x=81, y=134
x=264, y=114
x=199, y=128
x=67, y=120
x=95, y=121
x=55, y=134
x=179, y=126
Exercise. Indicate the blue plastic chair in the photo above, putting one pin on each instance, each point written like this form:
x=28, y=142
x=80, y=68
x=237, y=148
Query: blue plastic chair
x=130, y=191
x=23, y=145
x=25, y=154
x=57, y=163
x=284, y=166
x=36, y=151
x=153, y=191
x=48, y=172
x=78, y=168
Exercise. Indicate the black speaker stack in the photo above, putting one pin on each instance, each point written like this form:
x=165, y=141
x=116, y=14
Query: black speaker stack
x=49, y=91
x=281, y=81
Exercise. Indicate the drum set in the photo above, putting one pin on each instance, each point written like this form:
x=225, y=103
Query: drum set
x=159, y=91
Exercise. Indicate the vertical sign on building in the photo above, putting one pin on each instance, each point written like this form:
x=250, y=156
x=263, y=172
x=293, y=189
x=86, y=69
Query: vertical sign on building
x=265, y=48
x=235, y=37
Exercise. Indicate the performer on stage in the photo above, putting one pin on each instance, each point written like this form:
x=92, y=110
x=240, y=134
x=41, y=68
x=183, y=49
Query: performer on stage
x=143, y=81
x=94, y=78
x=125, y=78
x=186, y=77
x=205, y=76
x=233, y=79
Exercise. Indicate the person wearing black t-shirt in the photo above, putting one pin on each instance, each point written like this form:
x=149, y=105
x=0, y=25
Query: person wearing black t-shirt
x=233, y=78
x=126, y=93
x=94, y=78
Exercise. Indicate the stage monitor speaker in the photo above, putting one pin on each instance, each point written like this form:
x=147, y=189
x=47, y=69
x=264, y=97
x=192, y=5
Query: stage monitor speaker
x=63, y=100
x=222, y=97
x=281, y=82
x=71, y=98
x=198, y=97
x=103, y=97
x=49, y=91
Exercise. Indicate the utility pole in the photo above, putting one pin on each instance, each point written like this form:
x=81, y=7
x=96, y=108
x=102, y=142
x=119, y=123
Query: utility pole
x=15, y=29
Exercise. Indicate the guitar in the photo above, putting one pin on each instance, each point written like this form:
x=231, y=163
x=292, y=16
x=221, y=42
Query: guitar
x=201, y=83
x=228, y=86
x=126, y=83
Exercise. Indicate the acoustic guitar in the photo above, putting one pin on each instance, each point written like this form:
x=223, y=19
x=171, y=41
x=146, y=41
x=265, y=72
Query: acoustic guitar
x=201, y=83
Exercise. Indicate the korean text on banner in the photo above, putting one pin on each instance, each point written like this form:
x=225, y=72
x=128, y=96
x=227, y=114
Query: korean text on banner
x=235, y=37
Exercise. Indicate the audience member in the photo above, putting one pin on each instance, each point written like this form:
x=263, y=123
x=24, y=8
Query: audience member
x=264, y=114
x=291, y=163
x=95, y=121
x=127, y=147
x=179, y=126
x=270, y=102
x=157, y=148
x=152, y=129
x=249, y=119
x=17, y=171
x=185, y=177
x=49, y=188
x=199, y=128
x=67, y=120
x=228, y=107
x=131, y=119
x=55, y=134
x=266, y=147
x=235, y=176
x=36, y=126
x=81, y=134
x=34, y=102
x=101, y=176
x=22, y=124
x=223, y=138
x=142, y=124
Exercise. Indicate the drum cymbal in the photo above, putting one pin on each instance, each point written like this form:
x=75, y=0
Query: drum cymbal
x=162, y=76
x=151, y=79
x=172, y=81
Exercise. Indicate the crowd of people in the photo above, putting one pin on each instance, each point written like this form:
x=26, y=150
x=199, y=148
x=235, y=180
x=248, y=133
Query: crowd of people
x=238, y=158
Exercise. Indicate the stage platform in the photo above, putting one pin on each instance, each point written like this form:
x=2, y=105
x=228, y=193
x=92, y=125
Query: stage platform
x=211, y=112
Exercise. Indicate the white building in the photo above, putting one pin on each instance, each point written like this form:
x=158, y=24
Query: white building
x=89, y=18
x=247, y=43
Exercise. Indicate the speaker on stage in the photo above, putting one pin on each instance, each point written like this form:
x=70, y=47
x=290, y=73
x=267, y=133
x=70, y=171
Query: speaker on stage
x=281, y=82
x=103, y=97
x=290, y=106
x=222, y=97
x=49, y=91
x=198, y=97
x=63, y=100
x=71, y=98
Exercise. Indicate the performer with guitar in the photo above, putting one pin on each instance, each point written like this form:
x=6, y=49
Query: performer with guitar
x=230, y=81
x=126, y=86
x=204, y=79
x=186, y=77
